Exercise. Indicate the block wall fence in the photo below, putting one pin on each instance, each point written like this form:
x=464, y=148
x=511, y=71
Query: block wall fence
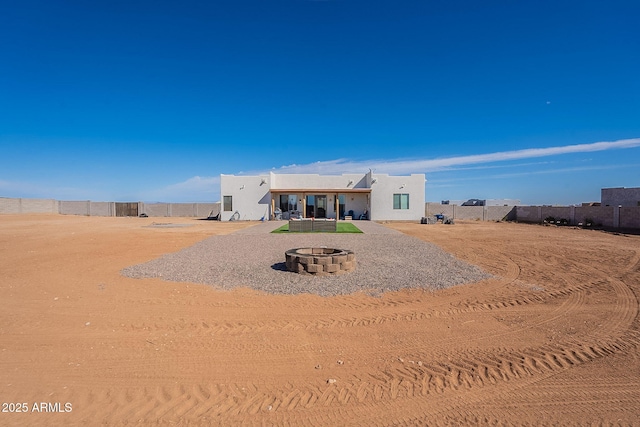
x=604, y=216
x=479, y=213
x=89, y=208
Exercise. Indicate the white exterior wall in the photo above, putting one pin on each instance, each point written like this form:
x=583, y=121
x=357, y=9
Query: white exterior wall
x=251, y=199
x=386, y=186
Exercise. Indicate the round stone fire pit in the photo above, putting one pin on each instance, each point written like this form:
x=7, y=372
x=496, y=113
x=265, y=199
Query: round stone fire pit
x=320, y=261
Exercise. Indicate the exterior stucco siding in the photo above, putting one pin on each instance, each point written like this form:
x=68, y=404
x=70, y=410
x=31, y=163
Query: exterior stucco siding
x=252, y=196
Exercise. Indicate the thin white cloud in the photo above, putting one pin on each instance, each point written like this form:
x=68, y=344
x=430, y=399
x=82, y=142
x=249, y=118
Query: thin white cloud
x=437, y=182
x=199, y=188
x=194, y=189
x=12, y=186
x=563, y=170
x=195, y=183
x=45, y=191
x=486, y=167
x=432, y=165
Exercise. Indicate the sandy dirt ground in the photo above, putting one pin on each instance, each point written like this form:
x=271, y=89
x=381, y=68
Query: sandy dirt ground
x=552, y=339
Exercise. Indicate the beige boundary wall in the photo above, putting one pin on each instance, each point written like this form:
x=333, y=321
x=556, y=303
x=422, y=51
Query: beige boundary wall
x=478, y=213
x=89, y=208
x=199, y=210
x=20, y=206
x=602, y=216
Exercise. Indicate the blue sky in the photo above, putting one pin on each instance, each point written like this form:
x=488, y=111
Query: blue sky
x=153, y=100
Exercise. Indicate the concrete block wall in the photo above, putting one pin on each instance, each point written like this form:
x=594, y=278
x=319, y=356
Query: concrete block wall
x=20, y=206
x=198, y=210
x=528, y=214
x=154, y=209
x=102, y=208
x=499, y=213
x=481, y=213
x=436, y=208
x=601, y=215
x=89, y=208
x=605, y=216
x=9, y=206
x=469, y=212
x=74, y=207
x=203, y=209
x=183, y=209
x=39, y=206
x=625, y=197
x=629, y=217
x=558, y=212
x=537, y=214
x=86, y=207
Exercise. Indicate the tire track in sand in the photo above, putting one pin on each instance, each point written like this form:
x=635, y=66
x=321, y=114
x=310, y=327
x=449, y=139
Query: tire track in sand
x=401, y=388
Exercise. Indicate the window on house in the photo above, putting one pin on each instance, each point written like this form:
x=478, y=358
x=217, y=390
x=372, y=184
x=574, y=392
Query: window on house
x=227, y=202
x=400, y=201
x=293, y=202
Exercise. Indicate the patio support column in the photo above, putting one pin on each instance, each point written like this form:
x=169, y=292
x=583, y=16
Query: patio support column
x=304, y=205
x=273, y=207
x=337, y=207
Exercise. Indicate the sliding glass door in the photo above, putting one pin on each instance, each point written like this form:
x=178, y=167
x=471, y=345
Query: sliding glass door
x=316, y=206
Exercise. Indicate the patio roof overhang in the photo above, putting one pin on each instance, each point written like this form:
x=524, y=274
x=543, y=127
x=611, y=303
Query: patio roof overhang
x=320, y=190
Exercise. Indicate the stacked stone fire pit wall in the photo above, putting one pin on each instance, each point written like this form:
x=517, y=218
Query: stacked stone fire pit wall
x=320, y=261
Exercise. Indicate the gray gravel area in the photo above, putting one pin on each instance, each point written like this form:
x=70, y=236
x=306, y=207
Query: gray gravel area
x=387, y=260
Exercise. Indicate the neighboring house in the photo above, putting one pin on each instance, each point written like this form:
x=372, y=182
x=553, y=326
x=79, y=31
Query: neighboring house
x=626, y=197
x=363, y=196
x=483, y=202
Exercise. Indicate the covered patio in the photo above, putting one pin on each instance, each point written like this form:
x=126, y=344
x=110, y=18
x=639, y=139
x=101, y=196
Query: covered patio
x=320, y=203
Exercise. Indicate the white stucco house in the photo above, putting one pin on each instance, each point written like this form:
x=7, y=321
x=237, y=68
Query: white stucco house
x=376, y=197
